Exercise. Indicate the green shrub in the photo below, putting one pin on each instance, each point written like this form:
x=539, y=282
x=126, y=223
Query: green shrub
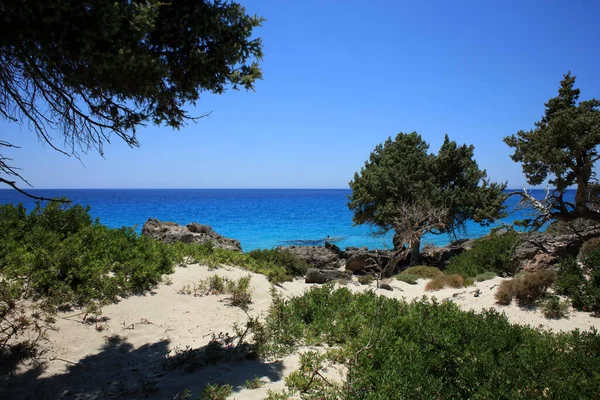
x=255, y=383
x=365, y=279
x=423, y=271
x=441, y=281
x=554, y=308
x=241, y=294
x=216, y=392
x=590, y=247
x=488, y=254
x=293, y=265
x=486, y=276
x=441, y=351
x=408, y=278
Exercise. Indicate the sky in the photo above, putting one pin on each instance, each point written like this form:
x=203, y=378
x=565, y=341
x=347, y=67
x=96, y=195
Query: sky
x=339, y=77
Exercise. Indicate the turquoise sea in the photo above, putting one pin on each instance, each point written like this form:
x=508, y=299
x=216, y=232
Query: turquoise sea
x=258, y=218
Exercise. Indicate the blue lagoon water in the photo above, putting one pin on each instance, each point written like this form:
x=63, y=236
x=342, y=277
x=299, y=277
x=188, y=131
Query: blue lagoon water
x=258, y=218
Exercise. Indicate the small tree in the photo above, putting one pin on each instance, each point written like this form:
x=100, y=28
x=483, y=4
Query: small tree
x=563, y=146
x=404, y=188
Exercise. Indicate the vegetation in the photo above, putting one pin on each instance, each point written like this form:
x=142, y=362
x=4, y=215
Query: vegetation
x=441, y=281
x=485, y=276
x=581, y=282
x=131, y=63
x=422, y=272
x=255, y=383
x=441, y=351
x=216, y=392
x=527, y=288
x=555, y=308
x=489, y=254
x=57, y=256
x=407, y=278
x=563, y=149
x=239, y=290
x=404, y=188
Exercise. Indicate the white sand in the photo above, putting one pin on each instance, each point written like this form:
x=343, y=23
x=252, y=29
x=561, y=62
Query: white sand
x=141, y=330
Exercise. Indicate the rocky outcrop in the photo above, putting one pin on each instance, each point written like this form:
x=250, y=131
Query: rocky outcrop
x=320, y=257
x=374, y=261
x=170, y=232
x=440, y=256
x=315, y=275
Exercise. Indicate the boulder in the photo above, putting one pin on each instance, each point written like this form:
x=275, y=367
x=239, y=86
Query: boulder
x=316, y=275
x=361, y=261
x=440, y=256
x=335, y=249
x=170, y=232
x=320, y=257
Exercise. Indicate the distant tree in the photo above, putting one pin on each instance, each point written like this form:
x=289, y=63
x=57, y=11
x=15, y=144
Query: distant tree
x=563, y=148
x=83, y=70
x=404, y=188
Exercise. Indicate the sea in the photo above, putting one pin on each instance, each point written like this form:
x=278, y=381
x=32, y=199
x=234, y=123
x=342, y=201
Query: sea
x=258, y=218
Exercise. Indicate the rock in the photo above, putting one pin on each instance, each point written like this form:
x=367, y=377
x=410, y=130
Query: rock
x=170, y=232
x=315, y=275
x=440, y=256
x=335, y=249
x=385, y=286
x=318, y=256
x=369, y=261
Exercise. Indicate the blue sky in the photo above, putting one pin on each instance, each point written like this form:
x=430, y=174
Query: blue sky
x=341, y=77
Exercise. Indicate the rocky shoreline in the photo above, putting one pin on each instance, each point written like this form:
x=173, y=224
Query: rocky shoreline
x=535, y=251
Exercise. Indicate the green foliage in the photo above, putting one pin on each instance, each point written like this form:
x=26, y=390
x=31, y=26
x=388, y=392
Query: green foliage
x=422, y=271
x=401, y=173
x=411, y=279
x=131, y=63
x=278, y=265
x=216, y=392
x=581, y=283
x=255, y=383
x=554, y=308
x=441, y=351
x=239, y=290
x=365, y=279
x=485, y=276
x=488, y=254
x=562, y=148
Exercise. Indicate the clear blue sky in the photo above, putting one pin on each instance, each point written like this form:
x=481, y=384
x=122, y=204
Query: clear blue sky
x=342, y=76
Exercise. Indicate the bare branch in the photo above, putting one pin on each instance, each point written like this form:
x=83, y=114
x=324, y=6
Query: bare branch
x=40, y=198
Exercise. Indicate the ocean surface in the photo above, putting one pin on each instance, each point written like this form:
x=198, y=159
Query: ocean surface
x=258, y=218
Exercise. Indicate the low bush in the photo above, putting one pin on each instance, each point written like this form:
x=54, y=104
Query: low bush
x=580, y=281
x=526, y=288
x=486, y=276
x=441, y=351
x=239, y=290
x=255, y=383
x=505, y=293
x=293, y=265
x=408, y=278
x=365, y=279
x=422, y=271
x=555, y=308
x=216, y=392
x=442, y=281
x=488, y=254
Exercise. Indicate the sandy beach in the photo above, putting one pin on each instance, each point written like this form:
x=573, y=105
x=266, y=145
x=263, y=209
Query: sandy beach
x=122, y=354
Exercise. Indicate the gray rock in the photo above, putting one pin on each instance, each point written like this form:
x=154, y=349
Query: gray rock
x=170, y=232
x=440, y=256
x=315, y=275
x=317, y=256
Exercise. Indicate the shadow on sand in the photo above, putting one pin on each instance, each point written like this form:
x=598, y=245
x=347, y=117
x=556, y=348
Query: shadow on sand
x=120, y=371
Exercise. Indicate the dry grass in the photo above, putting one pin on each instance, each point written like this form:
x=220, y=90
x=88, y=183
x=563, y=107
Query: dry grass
x=441, y=281
x=527, y=289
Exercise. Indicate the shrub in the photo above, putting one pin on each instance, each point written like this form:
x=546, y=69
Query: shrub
x=216, y=392
x=254, y=383
x=293, y=265
x=530, y=287
x=486, y=276
x=590, y=247
x=441, y=281
x=241, y=294
x=505, y=292
x=422, y=271
x=365, y=279
x=443, y=352
x=555, y=308
x=492, y=253
x=408, y=278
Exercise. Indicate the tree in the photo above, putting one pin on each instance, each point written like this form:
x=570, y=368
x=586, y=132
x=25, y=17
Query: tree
x=404, y=188
x=563, y=148
x=83, y=70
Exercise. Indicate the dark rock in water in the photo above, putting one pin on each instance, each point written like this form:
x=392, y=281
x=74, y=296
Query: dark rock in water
x=170, y=232
x=315, y=275
x=317, y=256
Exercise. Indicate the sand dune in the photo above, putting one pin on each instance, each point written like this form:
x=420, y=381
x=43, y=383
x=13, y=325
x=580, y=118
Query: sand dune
x=122, y=355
